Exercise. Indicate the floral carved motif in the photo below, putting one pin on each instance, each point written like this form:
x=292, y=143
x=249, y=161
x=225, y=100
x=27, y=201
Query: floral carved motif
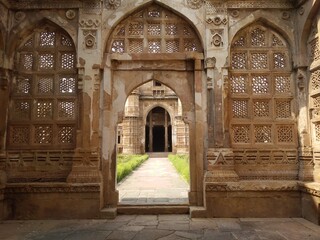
x=112, y=4
x=195, y=4
x=70, y=14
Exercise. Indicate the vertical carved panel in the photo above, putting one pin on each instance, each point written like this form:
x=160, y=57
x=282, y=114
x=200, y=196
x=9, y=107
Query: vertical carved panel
x=40, y=114
x=265, y=87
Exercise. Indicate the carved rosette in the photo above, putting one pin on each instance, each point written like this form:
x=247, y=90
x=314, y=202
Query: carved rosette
x=19, y=16
x=112, y=4
x=285, y=15
x=195, y=4
x=70, y=14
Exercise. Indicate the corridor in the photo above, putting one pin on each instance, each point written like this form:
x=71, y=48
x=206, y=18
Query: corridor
x=154, y=182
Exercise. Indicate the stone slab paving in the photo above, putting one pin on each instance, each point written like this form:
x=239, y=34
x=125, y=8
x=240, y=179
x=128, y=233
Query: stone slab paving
x=161, y=227
x=155, y=182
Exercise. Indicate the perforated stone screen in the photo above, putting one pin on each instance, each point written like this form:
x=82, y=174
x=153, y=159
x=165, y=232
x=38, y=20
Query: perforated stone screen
x=154, y=30
x=314, y=86
x=261, y=89
x=43, y=104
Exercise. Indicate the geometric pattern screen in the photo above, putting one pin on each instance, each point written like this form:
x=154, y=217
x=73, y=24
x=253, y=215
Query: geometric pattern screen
x=261, y=89
x=43, y=99
x=314, y=83
x=154, y=30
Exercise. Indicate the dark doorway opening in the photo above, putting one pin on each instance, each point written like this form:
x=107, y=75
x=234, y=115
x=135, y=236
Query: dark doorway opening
x=158, y=139
x=158, y=131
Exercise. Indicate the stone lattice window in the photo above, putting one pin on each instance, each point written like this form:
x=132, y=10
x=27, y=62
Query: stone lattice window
x=43, y=104
x=154, y=30
x=314, y=86
x=261, y=89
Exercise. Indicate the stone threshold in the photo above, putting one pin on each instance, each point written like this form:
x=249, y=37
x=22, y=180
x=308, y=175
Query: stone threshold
x=153, y=209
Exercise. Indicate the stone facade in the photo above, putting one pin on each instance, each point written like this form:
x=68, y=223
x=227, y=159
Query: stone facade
x=246, y=74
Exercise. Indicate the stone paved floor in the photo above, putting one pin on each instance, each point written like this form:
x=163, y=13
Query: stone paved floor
x=164, y=227
x=155, y=182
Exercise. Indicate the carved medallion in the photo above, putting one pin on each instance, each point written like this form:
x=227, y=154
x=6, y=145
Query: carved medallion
x=70, y=14
x=19, y=16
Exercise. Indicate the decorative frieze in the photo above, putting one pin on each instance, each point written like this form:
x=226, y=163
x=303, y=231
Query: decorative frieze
x=89, y=23
x=220, y=166
x=278, y=186
x=36, y=4
x=261, y=4
x=217, y=20
x=310, y=188
x=214, y=8
x=51, y=188
x=258, y=157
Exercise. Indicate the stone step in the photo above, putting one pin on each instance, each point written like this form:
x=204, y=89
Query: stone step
x=198, y=212
x=158, y=154
x=153, y=209
x=108, y=213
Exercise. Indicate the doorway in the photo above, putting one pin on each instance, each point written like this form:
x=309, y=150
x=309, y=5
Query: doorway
x=158, y=134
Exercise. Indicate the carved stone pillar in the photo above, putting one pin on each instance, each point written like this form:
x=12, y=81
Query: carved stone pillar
x=305, y=151
x=4, y=103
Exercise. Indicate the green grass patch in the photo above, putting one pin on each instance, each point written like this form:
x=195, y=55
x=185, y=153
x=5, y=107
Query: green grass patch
x=127, y=163
x=181, y=163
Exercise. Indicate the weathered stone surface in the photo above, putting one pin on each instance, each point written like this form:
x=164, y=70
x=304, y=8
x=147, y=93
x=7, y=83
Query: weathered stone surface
x=278, y=229
x=153, y=234
x=237, y=83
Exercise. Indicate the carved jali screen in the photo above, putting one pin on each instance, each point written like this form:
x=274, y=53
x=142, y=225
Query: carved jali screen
x=154, y=30
x=261, y=89
x=314, y=85
x=43, y=106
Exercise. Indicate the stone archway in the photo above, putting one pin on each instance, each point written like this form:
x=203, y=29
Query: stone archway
x=178, y=68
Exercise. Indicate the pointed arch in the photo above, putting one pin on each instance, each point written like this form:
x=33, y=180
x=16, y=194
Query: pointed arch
x=19, y=33
x=312, y=49
x=43, y=105
x=308, y=24
x=153, y=28
x=261, y=89
x=267, y=20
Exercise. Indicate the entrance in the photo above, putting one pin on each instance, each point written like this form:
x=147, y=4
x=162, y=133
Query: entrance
x=160, y=49
x=158, y=131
